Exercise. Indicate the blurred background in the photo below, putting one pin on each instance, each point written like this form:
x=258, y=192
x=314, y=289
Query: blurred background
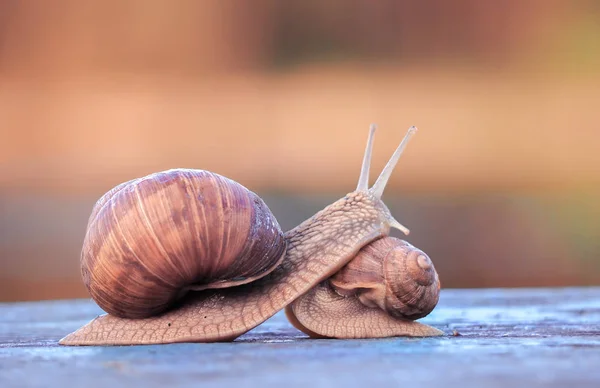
x=500, y=186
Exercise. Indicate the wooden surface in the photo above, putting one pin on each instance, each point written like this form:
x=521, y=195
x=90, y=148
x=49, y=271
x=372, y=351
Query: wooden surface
x=495, y=338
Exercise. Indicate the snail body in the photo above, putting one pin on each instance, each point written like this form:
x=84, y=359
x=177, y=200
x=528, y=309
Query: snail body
x=191, y=256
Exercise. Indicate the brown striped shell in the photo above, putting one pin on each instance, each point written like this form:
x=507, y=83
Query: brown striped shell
x=152, y=239
x=393, y=275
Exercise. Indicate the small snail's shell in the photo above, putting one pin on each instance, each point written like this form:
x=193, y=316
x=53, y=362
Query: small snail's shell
x=393, y=275
x=152, y=239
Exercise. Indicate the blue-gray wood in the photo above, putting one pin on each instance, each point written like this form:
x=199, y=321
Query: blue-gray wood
x=495, y=338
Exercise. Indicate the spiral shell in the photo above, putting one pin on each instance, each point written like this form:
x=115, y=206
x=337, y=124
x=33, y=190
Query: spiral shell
x=151, y=240
x=393, y=275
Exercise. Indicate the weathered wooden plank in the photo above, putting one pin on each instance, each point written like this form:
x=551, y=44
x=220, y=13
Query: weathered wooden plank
x=506, y=337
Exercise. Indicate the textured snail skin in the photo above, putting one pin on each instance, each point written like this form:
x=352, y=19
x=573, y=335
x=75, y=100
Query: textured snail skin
x=152, y=239
x=323, y=313
x=314, y=252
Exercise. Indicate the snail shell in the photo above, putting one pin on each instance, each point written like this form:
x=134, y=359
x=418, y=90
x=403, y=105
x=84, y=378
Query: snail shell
x=152, y=239
x=391, y=274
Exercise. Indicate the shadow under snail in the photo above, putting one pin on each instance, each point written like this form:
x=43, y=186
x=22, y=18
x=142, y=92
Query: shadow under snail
x=188, y=255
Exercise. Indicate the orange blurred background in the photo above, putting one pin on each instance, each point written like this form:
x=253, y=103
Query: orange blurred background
x=500, y=185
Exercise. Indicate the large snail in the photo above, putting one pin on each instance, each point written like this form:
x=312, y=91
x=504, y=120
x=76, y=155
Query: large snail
x=191, y=256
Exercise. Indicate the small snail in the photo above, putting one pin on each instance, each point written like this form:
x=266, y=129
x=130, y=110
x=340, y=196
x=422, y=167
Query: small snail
x=191, y=256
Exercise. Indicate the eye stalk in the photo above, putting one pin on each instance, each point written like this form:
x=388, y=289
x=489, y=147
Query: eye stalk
x=363, y=180
x=381, y=182
x=379, y=186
